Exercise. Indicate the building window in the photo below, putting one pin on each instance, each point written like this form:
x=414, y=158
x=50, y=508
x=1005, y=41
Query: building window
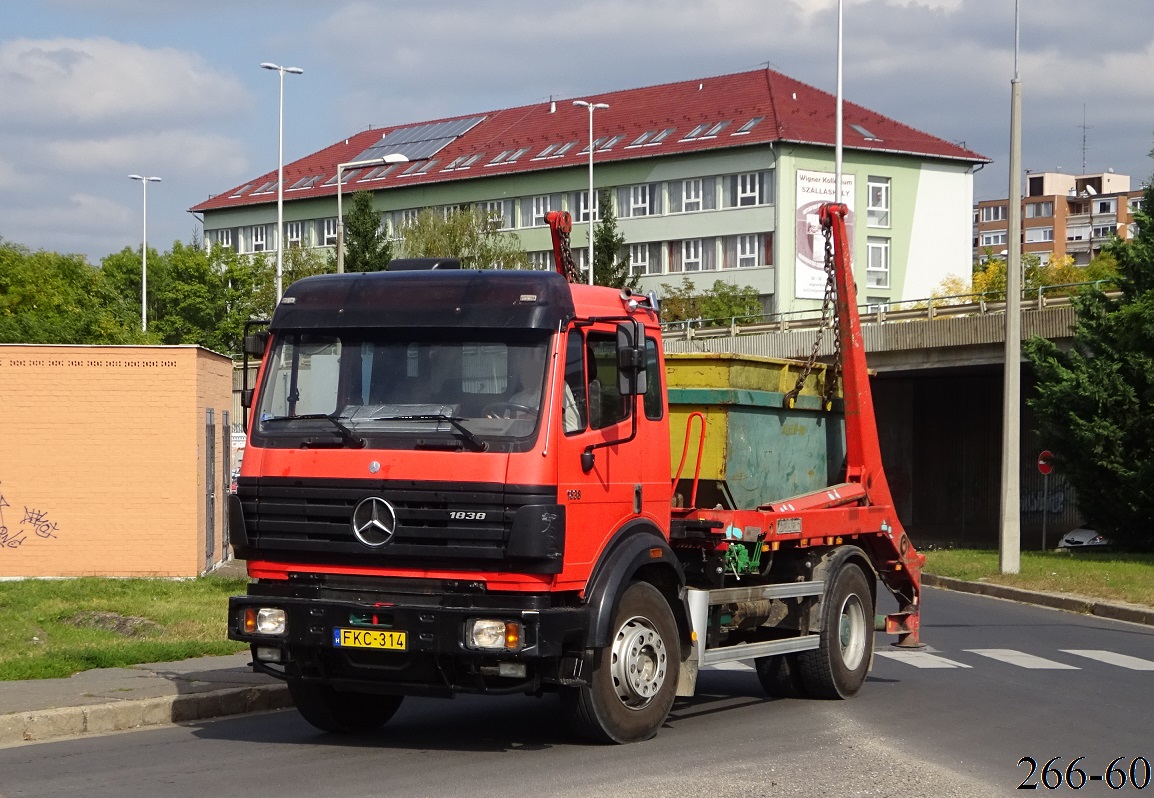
x=292, y=234
x=501, y=211
x=746, y=251
x=878, y=202
x=259, y=233
x=993, y=213
x=1135, y=204
x=644, y=259
x=1105, y=205
x=541, y=260
x=994, y=239
x=693, y=255
x=694, y=194
x=223, y=238
x=580, y=204
x=742, y=190
x=534, y=209
x=1035, y=235
x=748, y=254
x=640, y=200
x=877, y=304
x=691, y=195
x=1038, y=210
x=1104, y=231
x=330, y=232
x=877, y=262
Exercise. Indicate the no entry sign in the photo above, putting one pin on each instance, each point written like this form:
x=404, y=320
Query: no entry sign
x=1045, y=461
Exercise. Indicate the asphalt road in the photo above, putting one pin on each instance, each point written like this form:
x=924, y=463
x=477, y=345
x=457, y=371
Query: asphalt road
x=998, y=682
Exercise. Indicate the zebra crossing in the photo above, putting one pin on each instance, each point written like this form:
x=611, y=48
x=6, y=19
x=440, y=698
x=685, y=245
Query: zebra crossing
x=930, y=659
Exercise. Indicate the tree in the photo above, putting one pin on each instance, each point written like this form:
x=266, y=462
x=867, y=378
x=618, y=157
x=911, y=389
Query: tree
x=718, y=307
x=609, y=267
x=49, y=298
x=1095, y=403
x=466, y=233
x=367, y=245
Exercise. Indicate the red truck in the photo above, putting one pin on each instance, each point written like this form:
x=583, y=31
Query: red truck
x=462, y=481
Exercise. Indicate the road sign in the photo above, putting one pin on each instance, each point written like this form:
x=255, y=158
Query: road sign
x=1045, y=461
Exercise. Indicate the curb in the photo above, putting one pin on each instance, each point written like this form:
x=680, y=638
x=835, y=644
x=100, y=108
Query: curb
x=1057, y=601
x=51, y=724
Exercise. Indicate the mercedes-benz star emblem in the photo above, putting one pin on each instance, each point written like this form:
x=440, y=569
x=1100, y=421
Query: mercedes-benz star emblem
x=374, y=522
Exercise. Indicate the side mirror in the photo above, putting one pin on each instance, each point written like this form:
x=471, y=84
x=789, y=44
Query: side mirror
x=255, y=343
x=631, y=359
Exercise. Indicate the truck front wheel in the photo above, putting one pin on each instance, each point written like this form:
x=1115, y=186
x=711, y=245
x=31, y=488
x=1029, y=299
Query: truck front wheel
x=838, y=666
x=342, y=713
x=634, y=678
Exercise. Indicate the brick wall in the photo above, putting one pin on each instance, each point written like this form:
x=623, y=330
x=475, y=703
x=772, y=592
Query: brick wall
x=102, y=459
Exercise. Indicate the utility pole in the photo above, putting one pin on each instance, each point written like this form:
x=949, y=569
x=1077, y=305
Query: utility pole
x=1010, y=528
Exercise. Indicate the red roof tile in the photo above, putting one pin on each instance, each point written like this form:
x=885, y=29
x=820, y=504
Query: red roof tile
x=791, y=111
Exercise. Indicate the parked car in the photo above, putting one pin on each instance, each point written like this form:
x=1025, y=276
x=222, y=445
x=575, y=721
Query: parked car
x=1083, y=539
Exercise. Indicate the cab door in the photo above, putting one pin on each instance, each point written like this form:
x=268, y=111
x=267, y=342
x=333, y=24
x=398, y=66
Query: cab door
x=609, y=494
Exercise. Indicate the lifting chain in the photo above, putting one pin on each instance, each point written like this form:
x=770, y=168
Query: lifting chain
x=830, y=319
x=567, y=258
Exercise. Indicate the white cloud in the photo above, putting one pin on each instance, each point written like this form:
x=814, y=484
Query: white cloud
x=50, y=82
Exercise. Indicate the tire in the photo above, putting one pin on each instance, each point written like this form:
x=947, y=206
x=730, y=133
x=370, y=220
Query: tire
x=634, y=678
x=342, y=713
x=837, y=668
x=780, y=676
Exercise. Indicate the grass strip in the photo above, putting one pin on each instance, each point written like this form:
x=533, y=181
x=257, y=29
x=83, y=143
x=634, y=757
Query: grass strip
x=1126, y=578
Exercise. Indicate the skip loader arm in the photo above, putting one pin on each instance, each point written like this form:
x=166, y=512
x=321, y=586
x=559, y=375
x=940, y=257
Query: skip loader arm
x=899, y=564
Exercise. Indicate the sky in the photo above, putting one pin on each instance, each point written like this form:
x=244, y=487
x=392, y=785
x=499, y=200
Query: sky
x=92, y=91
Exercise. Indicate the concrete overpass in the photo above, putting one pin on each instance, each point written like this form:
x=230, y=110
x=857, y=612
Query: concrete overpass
x=938, y=394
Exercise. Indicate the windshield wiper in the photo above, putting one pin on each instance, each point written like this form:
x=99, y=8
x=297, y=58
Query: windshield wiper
x=347, y=434
x=477, y=444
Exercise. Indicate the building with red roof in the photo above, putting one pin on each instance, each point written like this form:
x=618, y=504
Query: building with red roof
x=712, y=179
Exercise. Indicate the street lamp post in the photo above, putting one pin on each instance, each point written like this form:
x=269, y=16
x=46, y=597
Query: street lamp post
x=592, y=107
x=144, y=181
x=393, y=157
x=280, y=174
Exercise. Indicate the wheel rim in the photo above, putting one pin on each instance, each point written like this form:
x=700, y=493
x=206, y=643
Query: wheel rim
x=639, y=662
x=852, y=632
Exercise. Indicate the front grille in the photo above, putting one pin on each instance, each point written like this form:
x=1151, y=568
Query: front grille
x=314, y=517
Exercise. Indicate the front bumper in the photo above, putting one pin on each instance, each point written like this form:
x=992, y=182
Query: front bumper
x=436, y=660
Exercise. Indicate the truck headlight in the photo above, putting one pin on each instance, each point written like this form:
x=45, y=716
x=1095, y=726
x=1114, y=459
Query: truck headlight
x=264, y=621
x=492, y=635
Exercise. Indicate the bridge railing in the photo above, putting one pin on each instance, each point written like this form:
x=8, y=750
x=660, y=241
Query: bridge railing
x=972, y=304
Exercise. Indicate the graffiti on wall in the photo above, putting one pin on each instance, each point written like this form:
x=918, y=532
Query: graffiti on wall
x=35, y=523
x=1037, y=501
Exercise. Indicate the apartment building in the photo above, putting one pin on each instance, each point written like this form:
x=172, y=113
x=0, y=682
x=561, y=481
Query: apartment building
x=1061, y=215
x=715, y=178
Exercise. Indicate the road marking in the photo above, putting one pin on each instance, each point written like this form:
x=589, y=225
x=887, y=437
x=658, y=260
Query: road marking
x=1110, y=658
x=920, y=659
x=1022, y=659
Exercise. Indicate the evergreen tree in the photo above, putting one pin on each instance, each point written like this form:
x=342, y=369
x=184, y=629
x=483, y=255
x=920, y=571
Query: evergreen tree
x=609, y=267
x=367, y=245
x=1095, y=402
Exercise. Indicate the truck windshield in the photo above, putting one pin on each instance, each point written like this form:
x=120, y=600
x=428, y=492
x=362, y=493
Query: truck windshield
x=472, y=390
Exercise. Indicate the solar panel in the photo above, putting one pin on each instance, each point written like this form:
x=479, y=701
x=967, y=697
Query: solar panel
x=419, y=142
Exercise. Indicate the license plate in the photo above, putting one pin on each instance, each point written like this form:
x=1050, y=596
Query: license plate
x=388, y=639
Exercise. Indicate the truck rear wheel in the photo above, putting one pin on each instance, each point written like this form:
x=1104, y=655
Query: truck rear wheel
x=837, y=667
x=634, y=678
x=780, y=676
x=342, y=713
